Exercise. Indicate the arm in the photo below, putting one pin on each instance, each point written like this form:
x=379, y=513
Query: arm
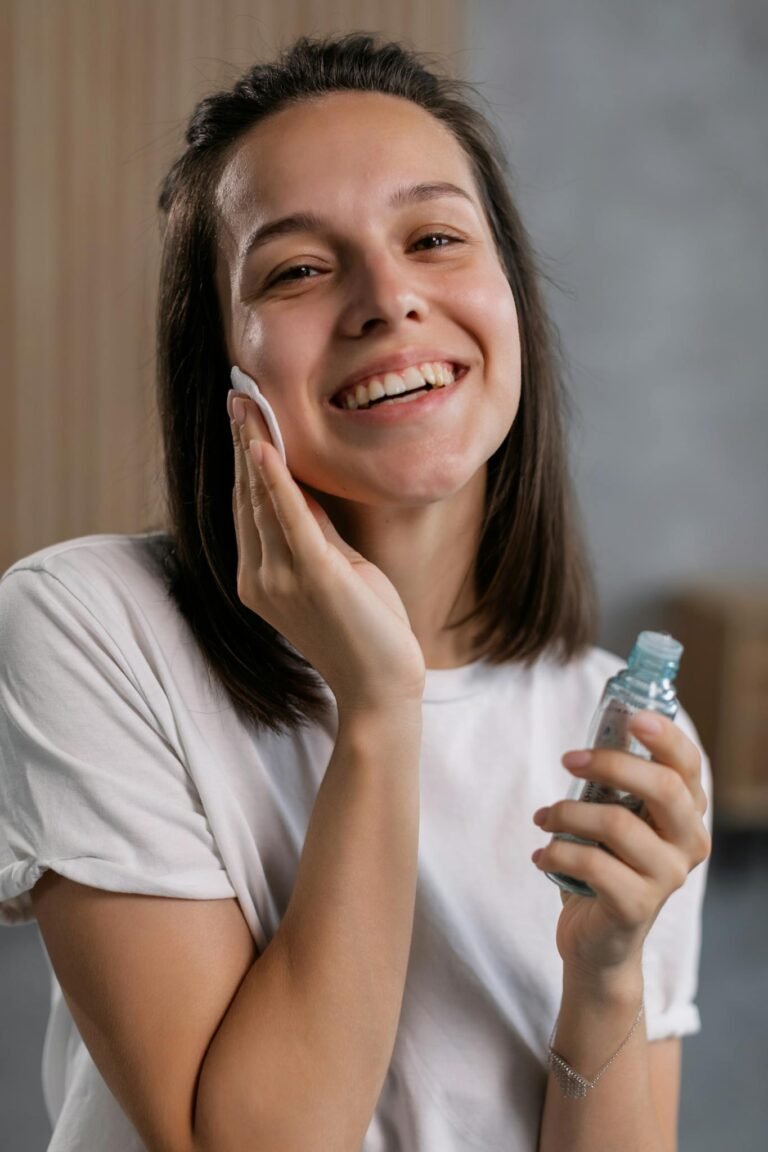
x=300, y=1057
x=631, y=1109
x=208, y=1048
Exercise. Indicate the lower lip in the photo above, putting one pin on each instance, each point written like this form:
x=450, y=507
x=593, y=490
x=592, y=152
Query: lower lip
x=422, y=404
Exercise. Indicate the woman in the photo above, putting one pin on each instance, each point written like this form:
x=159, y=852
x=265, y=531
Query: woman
x=273, y=777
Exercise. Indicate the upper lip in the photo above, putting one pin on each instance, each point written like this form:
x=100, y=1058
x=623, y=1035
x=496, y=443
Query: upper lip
x=397, y=362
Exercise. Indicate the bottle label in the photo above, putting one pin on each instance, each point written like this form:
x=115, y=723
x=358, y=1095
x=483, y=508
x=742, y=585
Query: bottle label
x=612, y=731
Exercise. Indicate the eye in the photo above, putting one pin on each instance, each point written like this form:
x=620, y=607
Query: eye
x=445, y=237
x=299, y=272
x=288, y=273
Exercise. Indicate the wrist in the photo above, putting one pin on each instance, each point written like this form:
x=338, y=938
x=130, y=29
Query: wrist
x=597, y=1015
x=611, y=987
x=381, y=721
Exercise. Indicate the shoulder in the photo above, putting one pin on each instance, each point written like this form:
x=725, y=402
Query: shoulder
x=97, y=603
x=91, y=566
x=115, y=582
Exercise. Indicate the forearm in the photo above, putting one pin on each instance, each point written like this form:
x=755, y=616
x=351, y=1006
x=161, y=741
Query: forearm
x=618, y=1114
x=301, y=1055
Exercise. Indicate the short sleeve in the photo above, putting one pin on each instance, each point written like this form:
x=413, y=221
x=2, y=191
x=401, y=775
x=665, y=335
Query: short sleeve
x=90, y=784
x=673, y=947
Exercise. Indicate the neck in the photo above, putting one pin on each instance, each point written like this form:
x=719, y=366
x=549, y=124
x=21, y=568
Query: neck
x=428, y=553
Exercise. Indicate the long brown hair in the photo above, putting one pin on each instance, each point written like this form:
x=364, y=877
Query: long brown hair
x=534, y=590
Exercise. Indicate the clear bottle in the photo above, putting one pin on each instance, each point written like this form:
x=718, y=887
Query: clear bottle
x=646, y=684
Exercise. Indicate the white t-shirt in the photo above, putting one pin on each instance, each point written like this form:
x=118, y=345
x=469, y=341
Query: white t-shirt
x=124, y=767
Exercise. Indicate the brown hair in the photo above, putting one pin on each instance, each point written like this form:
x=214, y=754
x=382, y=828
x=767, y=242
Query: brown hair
x=533, y=586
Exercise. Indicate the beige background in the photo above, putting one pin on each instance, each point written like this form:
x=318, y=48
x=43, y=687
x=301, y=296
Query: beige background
x=94, y=95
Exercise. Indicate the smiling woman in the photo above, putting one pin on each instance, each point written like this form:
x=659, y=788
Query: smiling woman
x=363, y=204
x=274, y=773
x=380, y=300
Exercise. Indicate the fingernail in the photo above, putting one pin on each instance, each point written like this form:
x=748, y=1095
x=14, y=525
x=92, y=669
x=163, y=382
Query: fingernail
x=577, y=760
x=540, y=816
x=537, y=854
x=643, y=722
x=256, y=452
x=238, y=410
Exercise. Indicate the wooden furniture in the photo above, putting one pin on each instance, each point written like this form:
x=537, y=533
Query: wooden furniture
x=723, y=684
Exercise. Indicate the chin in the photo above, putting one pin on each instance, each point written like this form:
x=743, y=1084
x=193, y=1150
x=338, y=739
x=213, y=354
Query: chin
x=407, y=483
x=429, y=485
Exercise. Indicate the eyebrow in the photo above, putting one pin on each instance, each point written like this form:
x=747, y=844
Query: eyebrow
x=312, y=222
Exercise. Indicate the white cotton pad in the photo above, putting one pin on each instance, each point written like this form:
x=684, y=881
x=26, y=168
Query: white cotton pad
x=243, y=383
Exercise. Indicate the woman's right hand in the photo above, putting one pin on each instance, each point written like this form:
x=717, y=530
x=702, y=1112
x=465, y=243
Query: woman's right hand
x=295, y=571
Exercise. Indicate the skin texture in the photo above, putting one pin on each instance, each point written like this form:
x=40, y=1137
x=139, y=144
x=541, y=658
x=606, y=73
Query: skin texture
x=601, y=939
x=409, y=497
x=359, y=558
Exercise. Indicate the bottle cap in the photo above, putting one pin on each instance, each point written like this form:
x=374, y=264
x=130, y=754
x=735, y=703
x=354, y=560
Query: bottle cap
x=658, y=648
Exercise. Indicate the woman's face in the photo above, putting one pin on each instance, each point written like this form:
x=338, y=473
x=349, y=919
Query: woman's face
x=381, y=270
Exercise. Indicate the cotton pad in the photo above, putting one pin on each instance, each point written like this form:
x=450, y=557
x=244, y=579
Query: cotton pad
x=243, y=383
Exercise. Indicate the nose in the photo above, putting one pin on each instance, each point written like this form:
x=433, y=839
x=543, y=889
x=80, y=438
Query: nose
x=381, y=291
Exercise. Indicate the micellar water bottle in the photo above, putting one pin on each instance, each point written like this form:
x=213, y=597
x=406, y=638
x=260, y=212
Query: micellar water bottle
x=646, y=684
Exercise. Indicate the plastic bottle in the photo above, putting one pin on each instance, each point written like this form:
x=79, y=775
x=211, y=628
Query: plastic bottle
x=646, y=684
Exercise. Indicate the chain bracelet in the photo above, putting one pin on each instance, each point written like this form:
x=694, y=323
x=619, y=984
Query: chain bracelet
x=573, y=1085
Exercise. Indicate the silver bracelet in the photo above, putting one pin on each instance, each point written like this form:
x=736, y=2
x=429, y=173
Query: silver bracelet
x=571, y=1083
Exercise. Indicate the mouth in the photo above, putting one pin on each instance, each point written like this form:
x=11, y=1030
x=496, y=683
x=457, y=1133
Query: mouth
x=396, y=387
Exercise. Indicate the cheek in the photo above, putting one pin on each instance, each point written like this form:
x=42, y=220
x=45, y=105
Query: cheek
x=274, y=358
x=488, y=306
x=280, y=364
x=499, y=306
x=499, y=336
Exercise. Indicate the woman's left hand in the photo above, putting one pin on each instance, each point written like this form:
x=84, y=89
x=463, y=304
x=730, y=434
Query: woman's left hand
x=648, y=859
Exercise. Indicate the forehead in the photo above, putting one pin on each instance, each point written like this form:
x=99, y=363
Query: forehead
x=343, y=149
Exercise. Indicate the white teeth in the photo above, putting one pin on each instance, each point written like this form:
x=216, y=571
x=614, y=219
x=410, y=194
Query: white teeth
x=376, y=389
x=437, y=375
x=394, y=385
x=415, y=377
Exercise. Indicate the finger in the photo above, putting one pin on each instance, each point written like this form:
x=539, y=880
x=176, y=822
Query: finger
x=248, y=542
x=264, y=516
x=624, y=834
x=669, y=803
x=274, y=546
x=626, y=896
x=669, y=745
x=238, y=465
x=255, y=426
x=300, y=528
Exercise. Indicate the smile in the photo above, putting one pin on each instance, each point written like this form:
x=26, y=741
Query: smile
x=393, y=387
x=408, y=404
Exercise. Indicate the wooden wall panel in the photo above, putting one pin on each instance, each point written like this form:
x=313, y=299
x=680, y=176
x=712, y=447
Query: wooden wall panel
x=8, y=399
x=94, y=95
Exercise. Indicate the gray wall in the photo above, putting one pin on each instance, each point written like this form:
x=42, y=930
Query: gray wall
x=638, y=137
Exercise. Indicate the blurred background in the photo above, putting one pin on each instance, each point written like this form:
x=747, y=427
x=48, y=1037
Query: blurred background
x=638, y=141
